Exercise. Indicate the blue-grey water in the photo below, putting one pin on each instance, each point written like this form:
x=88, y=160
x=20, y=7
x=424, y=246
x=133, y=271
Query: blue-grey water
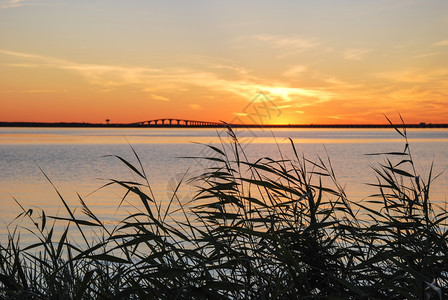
x=77, y=162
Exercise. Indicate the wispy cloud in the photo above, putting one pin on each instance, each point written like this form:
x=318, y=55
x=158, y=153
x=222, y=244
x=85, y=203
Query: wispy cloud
x=159, y=98
x=294, y=71
x=40, y=91
x=414, y=75
x=356, y=54
x=441, y=43
x=195, y=106
x=10, y=3
x=288, y=45
x=105, y=75
x=427, y=54
x=17, y=3
x=22, y=54
x=291, y=43
x=153, y=80
x=336, y=117
x=22, y=65
x=236, y=69
x=34, y=91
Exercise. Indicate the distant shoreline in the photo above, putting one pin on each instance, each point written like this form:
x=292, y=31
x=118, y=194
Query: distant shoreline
x=102, y=125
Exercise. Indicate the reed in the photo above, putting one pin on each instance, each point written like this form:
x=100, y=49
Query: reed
x=264, y=229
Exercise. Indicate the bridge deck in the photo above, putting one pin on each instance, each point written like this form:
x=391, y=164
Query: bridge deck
x=176, y=122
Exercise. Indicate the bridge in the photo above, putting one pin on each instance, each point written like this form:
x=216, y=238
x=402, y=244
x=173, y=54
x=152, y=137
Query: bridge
x=177, y=123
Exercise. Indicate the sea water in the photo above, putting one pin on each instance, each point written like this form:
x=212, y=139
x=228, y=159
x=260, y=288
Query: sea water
x=38, y=163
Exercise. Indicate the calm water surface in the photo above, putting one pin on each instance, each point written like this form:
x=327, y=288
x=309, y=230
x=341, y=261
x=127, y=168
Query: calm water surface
x=77, y=161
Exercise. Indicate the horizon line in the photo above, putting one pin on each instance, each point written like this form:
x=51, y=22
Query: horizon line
x=201, y=124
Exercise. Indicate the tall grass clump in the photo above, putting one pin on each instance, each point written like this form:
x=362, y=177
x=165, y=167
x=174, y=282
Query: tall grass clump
x=255, y=229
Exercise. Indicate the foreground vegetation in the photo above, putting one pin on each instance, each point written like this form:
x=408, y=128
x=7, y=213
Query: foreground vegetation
x=264, y=229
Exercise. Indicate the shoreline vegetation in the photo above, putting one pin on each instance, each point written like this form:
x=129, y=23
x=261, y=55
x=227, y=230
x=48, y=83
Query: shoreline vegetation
x=254, y=229
x=215, y=125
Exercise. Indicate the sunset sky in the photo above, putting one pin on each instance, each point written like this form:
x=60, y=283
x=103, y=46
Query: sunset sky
x=340, y=62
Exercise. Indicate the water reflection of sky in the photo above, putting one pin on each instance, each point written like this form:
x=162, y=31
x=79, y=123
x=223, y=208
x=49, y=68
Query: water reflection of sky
x=246, y=135
x=74, y=159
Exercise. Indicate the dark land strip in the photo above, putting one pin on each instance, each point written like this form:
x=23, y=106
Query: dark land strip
x=133, y=125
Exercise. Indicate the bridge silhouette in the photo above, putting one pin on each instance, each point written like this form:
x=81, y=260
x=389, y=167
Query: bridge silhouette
x=178, y=123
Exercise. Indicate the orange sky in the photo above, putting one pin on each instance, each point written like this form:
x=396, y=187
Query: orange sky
x=336, y=62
